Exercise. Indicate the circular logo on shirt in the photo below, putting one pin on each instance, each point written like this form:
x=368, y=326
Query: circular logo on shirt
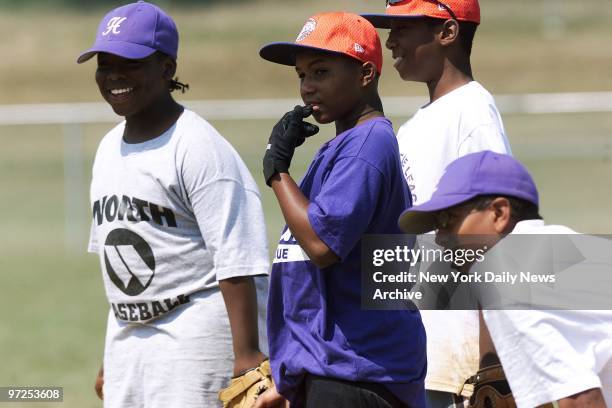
x=129, y=260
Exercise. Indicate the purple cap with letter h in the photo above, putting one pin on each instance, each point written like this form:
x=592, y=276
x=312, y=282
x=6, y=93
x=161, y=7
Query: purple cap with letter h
x=135, y=31
x=475, y=174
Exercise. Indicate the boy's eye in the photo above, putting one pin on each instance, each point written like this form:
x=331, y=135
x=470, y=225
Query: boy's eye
x=399, y=30
x=320, y=71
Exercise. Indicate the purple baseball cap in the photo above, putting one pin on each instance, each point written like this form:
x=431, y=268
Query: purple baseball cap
x=135, y=31
x=475, y=174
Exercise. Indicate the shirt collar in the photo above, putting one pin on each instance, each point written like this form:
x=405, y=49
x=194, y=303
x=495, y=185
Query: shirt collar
x=522, y=227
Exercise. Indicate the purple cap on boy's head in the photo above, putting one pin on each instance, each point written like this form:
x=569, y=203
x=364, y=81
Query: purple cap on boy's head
x=475, y=174
x=135, y=31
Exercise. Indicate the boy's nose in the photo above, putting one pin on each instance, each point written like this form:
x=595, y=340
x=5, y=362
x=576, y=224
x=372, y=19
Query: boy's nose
x=115, y=73
x=306, y=87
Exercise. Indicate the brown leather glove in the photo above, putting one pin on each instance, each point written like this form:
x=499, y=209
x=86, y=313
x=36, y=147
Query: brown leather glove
x=244, y=389
x=491, y=389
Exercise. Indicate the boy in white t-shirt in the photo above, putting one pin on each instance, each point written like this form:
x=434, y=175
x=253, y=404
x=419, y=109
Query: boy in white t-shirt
x=551, y=356
x=431, y=42
x=178, y=225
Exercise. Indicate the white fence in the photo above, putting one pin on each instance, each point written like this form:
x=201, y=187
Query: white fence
x=73, y=115
x=248, y=109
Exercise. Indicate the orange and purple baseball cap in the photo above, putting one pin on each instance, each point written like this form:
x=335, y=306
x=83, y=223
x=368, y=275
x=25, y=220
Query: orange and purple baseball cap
x=135, y=31
x=472, y=175
x=460, y=10
x=334, y=32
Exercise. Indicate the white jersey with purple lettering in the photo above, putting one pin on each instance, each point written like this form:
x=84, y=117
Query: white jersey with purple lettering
x=172, y=216
x=463, y=121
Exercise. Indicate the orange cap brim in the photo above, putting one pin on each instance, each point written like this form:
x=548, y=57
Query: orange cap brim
x=384, y=20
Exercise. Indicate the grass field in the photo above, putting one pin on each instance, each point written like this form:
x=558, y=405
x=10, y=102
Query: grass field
x=52, y=306
x=52, y=303
x=521, y=46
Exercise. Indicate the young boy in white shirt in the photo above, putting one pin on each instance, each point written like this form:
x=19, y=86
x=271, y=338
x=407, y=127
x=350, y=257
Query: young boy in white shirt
x=431, y=42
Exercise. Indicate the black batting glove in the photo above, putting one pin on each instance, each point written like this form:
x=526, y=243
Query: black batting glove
x=288, y=133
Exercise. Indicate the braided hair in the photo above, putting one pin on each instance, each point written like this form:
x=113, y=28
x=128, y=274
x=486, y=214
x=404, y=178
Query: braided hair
x=175, y=85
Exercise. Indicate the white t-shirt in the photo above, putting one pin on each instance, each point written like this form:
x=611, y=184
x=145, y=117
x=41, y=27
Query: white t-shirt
x=463, y=121
x=172, y=216
x=552, y=354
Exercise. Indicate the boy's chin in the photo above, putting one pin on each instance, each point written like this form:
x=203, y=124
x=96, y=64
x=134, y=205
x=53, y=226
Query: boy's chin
x=322, y=118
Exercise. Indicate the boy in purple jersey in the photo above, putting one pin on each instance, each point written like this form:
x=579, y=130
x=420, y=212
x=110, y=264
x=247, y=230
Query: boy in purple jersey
x=325, y=350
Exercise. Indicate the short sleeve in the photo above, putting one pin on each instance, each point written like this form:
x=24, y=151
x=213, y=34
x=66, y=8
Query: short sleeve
x=543, y=344
x=345, y=206
x=484, y=137
x=225, y=202
x=230, y=218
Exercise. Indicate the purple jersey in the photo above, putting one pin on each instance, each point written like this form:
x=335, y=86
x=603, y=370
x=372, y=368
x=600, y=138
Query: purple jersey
x=315, y=321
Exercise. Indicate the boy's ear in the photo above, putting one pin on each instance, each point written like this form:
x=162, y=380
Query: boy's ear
x=449, y=32
x=169, y=68
x=502, y=215
x=368, y=73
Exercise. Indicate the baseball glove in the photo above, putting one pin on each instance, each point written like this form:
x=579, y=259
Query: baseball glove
x=244, y=389
x=491, y=389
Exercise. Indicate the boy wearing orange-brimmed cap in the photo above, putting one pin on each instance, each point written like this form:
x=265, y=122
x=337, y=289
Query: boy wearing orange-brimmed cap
x=325, y=350
x=431, y=42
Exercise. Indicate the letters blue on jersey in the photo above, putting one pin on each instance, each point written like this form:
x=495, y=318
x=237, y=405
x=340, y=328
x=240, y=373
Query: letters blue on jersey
x=315, y=321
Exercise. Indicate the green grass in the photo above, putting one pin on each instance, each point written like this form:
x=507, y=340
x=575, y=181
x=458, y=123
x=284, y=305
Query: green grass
x=53, y=322
x=52, y=301
x=517, y=49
